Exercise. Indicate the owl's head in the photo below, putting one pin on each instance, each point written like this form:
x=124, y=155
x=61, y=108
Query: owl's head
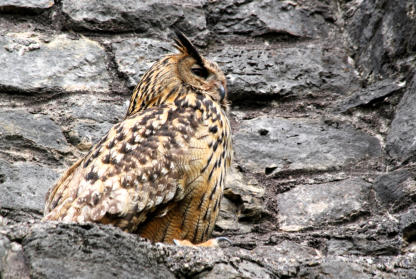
x=196, y=71
x=175, y=74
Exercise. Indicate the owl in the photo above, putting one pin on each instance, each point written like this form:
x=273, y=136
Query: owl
x=160, y=172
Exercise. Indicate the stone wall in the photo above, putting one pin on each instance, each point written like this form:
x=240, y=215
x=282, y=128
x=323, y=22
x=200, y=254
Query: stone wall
x=324, y=98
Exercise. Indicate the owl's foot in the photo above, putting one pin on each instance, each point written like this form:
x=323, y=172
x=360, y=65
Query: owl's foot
x=213, y=242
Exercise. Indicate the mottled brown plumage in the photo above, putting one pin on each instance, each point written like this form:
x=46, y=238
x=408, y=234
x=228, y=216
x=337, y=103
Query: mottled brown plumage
x=160, y=172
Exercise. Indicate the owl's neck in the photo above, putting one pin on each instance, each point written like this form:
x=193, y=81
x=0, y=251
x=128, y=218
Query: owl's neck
x=168, y=92
x=146, y=95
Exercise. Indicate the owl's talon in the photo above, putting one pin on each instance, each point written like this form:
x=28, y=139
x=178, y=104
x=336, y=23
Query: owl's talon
x=223, y=238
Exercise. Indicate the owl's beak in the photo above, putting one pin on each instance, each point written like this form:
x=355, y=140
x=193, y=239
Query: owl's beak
x=222, y=92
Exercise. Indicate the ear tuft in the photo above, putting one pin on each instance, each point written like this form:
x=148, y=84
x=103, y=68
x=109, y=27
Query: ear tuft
x=183, y=44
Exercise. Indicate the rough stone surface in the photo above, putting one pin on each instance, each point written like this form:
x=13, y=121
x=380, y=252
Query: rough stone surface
x=40, y=131
x=370, y=95
x=251, y=71
x=130, y=15
x=97, y=108
x=243, y=204
x=396, y=189
x=401, y=140
x=408, y=227
x=342, y=270
x=382, y=35
x=59, y=64
x=309, y=206
x=266, y=17
x=84, y=122
x=27, y=4
x=135, y=56
x=85, y=133
x=24, y=185
x=91, y=248
x=378, y=235
x=134, y=261
x=282, y=71
x=274, y=145
x=323, y=181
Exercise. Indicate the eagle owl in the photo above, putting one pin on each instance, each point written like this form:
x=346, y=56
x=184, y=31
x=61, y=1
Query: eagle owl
x=160, y=172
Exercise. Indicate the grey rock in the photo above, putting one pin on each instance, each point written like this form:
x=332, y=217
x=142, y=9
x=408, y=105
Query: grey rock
x=396, y=190
x=89, y=252
x=57, y=64
x=27, y=4
x=273, y=70
x=242, y=204
x=53, y=250
x=288, y=251
x=18, y=127
x=367, y=96
x=105, y=252
x=311, y=206
x=275, y=145
x=85, y=134
x=286, y=257
x=248, y=269
x=4, y=247
x=11, y=217
x=266, y=17
x=400, y=141
x=381, y=34
x=86, y=118
x=90, y=107
x=23, y=185
x=135, y=56
x=220, y=270
x=408, y=227
x=250, y=72
x=248, y=191
x=228, y=218
x=375, y=236
x=128, y=15
x=339, y=269
x=12, y=263
x=224, y=263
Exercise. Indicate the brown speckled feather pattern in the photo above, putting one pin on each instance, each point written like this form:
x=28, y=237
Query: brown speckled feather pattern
x=161, y=171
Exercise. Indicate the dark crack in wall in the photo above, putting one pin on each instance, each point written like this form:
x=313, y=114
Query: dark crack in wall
x=323, y=184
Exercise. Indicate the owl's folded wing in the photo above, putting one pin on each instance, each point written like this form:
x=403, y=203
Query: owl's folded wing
x=141, y=165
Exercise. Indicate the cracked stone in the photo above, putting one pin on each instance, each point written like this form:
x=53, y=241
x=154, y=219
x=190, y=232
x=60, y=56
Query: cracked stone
x=24, y=185
x=129, y=15
x=311, y=206
x=283, y=71
x=396, y=190
x=265, y=17
x=401, y=139
x=57, y=64
x=299, y=145
x=36, y=130
x=366, y=96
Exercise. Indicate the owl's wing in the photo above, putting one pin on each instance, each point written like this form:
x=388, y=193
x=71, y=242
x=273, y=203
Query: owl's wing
x=141, y=165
